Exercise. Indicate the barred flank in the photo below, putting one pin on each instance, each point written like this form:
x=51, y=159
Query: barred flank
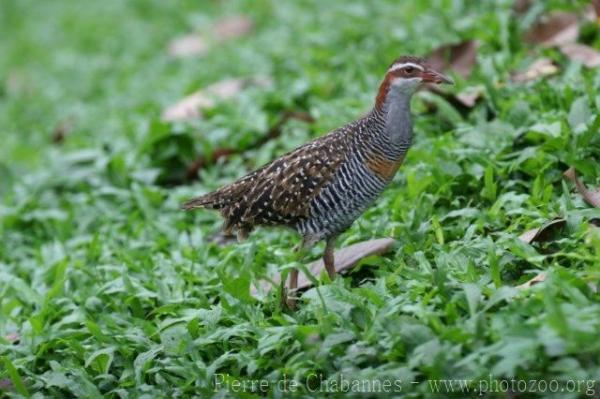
x=320, y=188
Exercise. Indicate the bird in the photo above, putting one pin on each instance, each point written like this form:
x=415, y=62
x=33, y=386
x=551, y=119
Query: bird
x=320, y=188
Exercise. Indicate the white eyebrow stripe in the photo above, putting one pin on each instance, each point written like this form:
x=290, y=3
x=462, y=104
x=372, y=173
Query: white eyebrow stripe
x=404, y=65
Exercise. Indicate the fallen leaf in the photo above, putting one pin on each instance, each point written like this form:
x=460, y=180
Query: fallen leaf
x=191, y=106
x=554, y=29
x=469, y=97
x=345, y=259
x=536, y=280
x=539, y=68
x=348, y=257
x=188, y=45
x=464, y=100
x=544, y=232
x=460, y=57
x=591, y=197
x=586, y=55
x=194, y=44
x=233, y=27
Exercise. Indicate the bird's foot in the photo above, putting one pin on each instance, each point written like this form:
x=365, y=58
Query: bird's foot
x=222, y=239
x=291, y=303
x=288, y=301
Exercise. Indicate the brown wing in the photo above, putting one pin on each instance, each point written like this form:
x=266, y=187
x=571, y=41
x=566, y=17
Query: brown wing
x=281, y=191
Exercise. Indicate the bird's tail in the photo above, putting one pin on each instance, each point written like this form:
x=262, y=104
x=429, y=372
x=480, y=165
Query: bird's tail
x=212, y=200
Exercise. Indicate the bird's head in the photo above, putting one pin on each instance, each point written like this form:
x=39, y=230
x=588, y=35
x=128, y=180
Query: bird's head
x=406, y=75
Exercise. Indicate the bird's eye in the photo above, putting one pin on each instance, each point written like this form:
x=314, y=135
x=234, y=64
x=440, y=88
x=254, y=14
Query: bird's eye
x=409, y=69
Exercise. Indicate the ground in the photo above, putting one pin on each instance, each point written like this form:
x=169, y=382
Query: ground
x=108, y=288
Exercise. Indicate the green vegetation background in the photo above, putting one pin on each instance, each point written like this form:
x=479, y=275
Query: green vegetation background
x=107, y=288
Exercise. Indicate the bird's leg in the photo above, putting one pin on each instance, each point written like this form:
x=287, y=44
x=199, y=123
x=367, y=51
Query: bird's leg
x=300, y=250
x=242, y=234
x=290, y=299
x=293, y=277
x=328, y=258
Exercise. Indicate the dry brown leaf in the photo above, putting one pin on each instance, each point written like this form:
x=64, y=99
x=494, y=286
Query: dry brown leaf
x=198, y=43
x=591, y=197
x=536, y=280
x=191, y=106
x=188, y=45
x=544, y=232
x=460, y=57
x=469, y=97
x=345, y=259
x=233, y=27
x=348, y=257
x=586, y=55
x=463, y=100
x=554, y=29
x=539, y=68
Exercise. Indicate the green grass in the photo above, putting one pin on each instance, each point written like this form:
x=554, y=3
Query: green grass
x=111, y=290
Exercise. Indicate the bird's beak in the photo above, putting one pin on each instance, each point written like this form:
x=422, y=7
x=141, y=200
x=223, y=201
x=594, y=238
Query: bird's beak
x=432, y=76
